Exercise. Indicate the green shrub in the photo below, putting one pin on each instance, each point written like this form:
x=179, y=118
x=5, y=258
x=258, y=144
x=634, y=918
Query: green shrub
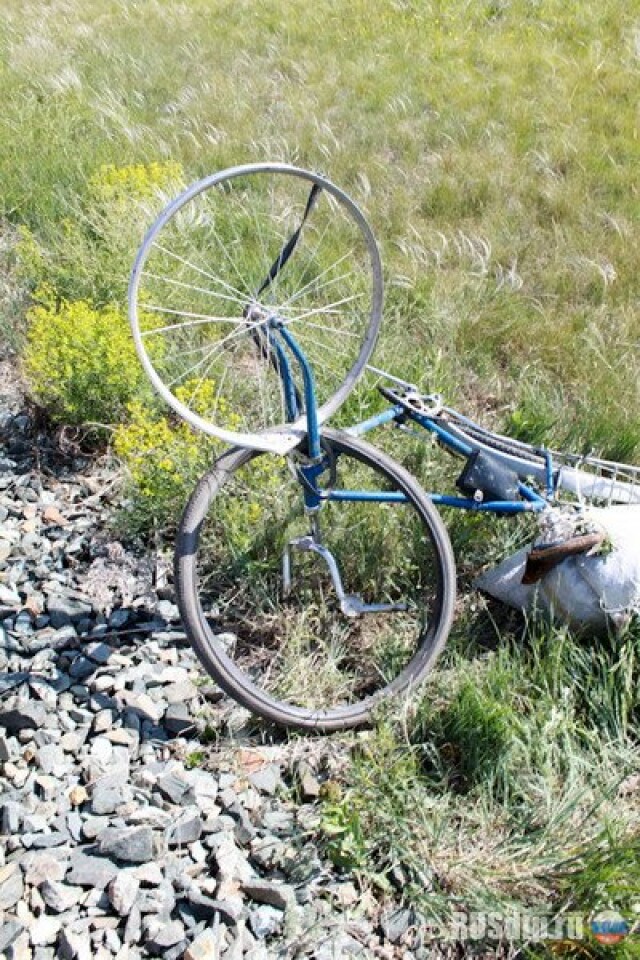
x=164, y=459
x=80, y=362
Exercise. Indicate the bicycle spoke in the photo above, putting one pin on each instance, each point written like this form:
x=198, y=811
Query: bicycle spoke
x=199, y=319
x=197, y=276
x=313, y=284
x=327, y=309
x=205, y=273
x=196, y=289
x=340, y=331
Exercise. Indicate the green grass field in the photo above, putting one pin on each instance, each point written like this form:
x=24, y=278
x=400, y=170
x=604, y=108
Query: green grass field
x=495, y=148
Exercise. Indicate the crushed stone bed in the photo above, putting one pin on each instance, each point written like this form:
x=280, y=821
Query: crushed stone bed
x=122, y=834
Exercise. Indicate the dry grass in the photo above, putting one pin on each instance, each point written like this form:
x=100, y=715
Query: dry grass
x=494, y=146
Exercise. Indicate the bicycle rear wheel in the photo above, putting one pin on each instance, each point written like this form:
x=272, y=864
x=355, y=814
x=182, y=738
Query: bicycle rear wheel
x=231, y=252
x=294, y=657
x=586, y=479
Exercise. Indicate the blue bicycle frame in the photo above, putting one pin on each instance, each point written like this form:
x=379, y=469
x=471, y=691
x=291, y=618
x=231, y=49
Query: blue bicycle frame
x=282, y=342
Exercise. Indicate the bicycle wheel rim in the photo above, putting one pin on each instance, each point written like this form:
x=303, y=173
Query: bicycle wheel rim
x=319, y=669
x=329, y=294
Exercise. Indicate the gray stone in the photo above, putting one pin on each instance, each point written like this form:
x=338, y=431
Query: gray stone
x=161, y=900
x=142, y=704
x=106, y=798
x=63, y=609
x=175, y=785
x=74, y=946
x=52, y=759
x=304, y=867
x=265, y=921
x=93, y=826
x=267, y=780
x=81, y=668
x=88, y=871
x=101, y=750
x=123, y=891
x=206, y=946
x=168, y=611
x=119, y=618
x=34, y=822
x=185, y=830
x=308, y=783
x=45, y=841
x=98, y=651
x=59, y=896
x=10, y=817
x=73, y=740
x=9, y=598
x=10, y=930
x=180, y=692
x=44, y=931
x=8, y=681
x=22, y=623
x=232, y=863
x=11, y=886
x=279, y=895
x=103, y=721
x=206, y=908
x=63, y=637
x=23, y=715
x=133, y=926
x=278, y=821
x=150, y=816
x=149, y=874
x=161, y=934
x=244, y=831
x=44, y=690
x=178, y=719
x=396, y=923
x=341, y=945
x=74, y=825
x=46, y=786
x=132, y=844
x=39, y=866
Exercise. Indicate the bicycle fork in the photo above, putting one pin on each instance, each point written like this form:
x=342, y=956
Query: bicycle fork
x=351, y=604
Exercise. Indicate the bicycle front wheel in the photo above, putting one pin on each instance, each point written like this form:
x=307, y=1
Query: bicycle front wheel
x=306, y=637
x=231, y=253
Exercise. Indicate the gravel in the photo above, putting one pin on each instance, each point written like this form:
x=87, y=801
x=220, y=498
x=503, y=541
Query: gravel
x=115, y=842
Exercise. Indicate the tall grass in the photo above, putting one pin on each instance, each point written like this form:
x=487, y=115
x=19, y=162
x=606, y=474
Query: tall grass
x=493, y=145
x=511, y=787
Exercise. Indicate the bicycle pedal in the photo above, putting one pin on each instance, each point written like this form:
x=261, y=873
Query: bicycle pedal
x=353, y=606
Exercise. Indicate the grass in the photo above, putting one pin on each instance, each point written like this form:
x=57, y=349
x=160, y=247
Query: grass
x=508, y=789
x=494, y=146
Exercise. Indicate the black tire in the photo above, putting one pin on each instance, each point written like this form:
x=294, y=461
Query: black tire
x=374, y=643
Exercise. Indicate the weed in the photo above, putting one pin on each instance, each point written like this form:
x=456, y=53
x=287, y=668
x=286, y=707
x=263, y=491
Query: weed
x=80, y=361
x=194, y=759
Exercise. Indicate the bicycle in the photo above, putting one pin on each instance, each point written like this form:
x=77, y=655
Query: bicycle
x=314, y=574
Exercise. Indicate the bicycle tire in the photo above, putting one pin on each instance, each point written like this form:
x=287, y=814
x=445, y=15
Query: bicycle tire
x=255, y=241
x=429, y=547
x=494, y=441
x=587, y=478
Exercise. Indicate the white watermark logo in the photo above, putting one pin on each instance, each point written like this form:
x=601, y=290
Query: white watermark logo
x=605, y=926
